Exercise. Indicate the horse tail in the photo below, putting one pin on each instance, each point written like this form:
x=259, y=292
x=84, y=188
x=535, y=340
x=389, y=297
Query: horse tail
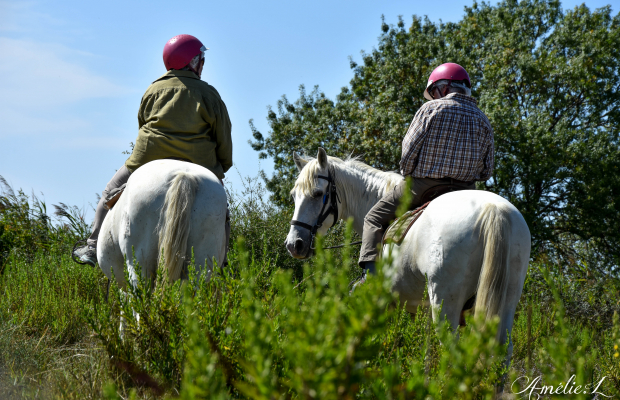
x=494, y=228
x=175, y=223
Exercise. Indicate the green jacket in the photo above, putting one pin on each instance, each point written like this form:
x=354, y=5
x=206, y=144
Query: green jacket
x=181, y=116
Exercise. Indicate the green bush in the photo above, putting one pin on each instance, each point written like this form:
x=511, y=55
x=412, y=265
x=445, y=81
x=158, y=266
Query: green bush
x=274, y=327
x=262, y=335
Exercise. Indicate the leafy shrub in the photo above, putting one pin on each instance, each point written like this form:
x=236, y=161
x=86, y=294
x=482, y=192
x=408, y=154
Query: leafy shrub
x=25, y=227
x=273, y=327
x=262, y=335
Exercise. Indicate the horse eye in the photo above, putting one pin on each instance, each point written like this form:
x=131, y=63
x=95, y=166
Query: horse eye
x=316, y=194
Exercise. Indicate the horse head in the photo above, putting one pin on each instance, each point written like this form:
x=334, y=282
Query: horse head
x=316, y=203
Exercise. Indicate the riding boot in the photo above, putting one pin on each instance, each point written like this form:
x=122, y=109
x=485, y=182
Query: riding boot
x=370, y=267
x=120, y=177
x=86, y=254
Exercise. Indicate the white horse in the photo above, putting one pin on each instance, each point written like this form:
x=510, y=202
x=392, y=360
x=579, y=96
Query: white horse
x=168, y=207
x=466, y=242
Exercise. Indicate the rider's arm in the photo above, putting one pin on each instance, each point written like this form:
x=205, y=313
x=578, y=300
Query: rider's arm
x=141, y=111
x=223, y=137
x=417, y=132
x=216, y=115
x=489, y=155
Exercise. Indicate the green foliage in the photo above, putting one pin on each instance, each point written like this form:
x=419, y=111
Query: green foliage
x=49, y=300
x=257, y=331
x=23, y=227
x=320, y=338
x=44, y=335
x=250, y=338
x=44, y=301
x=254, y=220
x=564, y=352
x=26, y=228
x=151, y=351
x=266, y=336
x=265, y=329
x=547, y=79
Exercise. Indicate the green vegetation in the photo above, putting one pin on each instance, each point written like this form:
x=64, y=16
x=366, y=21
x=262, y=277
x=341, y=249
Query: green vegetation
x=548, y=80
x=272, y=328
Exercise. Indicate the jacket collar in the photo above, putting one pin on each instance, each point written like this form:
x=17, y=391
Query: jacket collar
x=460, y=97
x=177, y=73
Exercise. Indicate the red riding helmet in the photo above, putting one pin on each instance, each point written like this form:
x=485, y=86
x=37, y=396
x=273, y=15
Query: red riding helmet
x=450, y=71
x=180, y=50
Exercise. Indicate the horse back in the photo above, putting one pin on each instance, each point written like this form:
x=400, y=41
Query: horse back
x=131, y=228
x=445, y=243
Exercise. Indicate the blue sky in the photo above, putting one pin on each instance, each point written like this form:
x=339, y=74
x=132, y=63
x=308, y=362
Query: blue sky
x=72, y=74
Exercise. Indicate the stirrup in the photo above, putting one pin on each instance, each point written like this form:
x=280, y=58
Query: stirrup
x=77, y=245
x=358, y=282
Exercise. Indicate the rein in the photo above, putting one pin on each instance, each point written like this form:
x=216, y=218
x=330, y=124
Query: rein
x=332, y=195
x=342, y=245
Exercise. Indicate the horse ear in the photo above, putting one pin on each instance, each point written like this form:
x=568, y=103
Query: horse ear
x=299, y=162
x=322, y=157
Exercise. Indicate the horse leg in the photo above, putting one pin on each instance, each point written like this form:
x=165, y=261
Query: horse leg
x=140, y=251
x=207, y=233
x=518, y=270
x=133, y=281
x=517, y=265
x=109, y=255
x=462, y=319
x=506, y=321
x=445, y=307
x=207, y=246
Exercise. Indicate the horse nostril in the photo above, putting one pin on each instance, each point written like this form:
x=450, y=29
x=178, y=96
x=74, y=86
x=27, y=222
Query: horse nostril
x=299, y=245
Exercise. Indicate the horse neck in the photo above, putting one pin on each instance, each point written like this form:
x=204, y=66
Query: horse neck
x=359, y=191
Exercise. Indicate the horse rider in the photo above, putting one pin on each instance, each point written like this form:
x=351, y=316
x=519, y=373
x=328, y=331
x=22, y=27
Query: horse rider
x=449, y=142
x=180, y=117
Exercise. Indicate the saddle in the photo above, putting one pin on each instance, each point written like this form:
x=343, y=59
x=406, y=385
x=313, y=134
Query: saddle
x=113, y=196
x=397, y=231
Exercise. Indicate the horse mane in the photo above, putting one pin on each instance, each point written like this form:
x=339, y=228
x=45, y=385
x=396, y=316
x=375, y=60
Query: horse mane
x=307, y=179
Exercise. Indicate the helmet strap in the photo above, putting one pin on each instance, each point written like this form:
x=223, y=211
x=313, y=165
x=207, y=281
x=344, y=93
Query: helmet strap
x=198, y=69
x=200, y=66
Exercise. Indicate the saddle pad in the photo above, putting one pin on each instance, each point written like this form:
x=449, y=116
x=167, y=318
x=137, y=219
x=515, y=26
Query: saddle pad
x=397, y=231
x=113, y=196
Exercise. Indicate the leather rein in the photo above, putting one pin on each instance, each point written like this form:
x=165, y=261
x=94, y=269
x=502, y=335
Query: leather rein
x=326, y=211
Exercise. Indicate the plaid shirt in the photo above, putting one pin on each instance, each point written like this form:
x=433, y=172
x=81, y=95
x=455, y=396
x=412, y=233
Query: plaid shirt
x=449, y=138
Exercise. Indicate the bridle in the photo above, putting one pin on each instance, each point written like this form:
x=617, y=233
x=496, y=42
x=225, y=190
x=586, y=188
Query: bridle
x=332, y=194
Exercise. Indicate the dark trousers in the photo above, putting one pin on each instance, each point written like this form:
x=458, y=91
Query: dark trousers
x=120, y=177
x=384, y=212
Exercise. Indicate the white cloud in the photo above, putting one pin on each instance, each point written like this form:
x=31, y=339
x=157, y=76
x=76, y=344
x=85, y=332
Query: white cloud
x=24, y=16
x=40, y=82
x=39, y=75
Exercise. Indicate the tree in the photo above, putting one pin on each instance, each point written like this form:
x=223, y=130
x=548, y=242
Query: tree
x=547, y=79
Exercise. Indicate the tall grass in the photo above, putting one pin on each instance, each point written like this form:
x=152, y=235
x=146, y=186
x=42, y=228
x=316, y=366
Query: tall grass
x=271, y=327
